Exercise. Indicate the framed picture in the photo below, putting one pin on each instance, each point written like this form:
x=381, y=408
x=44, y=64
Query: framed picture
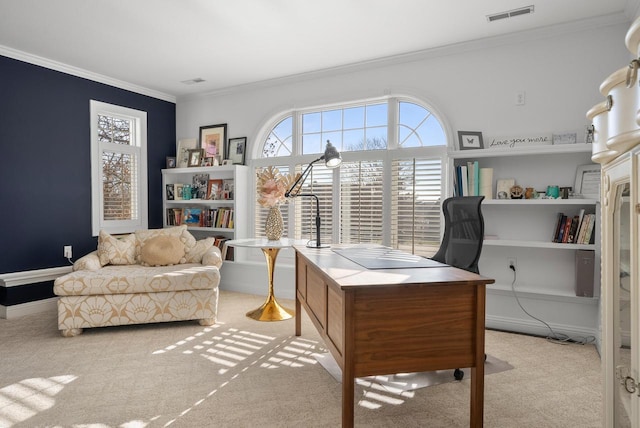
x=236, y=150
x=214, y=188
x=503, y=188
x=213, y=139
x=208, y=161
x=170, y=192
x=470, y=140
x=195, y=157
x=171, y=162
x=182, y=151
x=588, y=181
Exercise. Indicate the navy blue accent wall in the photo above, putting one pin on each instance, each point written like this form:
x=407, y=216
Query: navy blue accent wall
x=45, y=165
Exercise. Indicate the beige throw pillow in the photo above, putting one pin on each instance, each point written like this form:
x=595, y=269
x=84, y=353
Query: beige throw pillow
x=162, y=250
x=116, y=250
x=180, y=232
x=195, y=253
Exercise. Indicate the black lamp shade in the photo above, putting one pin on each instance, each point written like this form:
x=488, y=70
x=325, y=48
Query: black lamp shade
x=331, y=156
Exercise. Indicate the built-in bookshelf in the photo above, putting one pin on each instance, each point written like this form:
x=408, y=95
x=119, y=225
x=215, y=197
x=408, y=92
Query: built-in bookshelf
x=204, y=199
x=525, y=231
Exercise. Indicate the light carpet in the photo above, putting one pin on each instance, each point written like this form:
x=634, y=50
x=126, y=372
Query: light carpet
x=244, y=373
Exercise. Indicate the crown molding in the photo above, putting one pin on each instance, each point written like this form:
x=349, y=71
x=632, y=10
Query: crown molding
x=453, y=49
x=85, y=74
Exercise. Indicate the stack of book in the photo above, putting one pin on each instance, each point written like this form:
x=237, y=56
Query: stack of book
x=578, y=229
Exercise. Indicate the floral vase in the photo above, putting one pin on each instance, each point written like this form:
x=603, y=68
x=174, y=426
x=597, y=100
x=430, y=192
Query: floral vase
x=275, y=224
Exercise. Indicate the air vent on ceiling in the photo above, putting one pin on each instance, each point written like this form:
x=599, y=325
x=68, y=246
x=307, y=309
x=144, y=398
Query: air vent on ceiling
x=192, y=81
x=510, y=13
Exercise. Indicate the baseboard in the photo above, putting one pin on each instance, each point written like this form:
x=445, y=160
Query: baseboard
x=536, y=328
x=16, y=279
x=29, y=308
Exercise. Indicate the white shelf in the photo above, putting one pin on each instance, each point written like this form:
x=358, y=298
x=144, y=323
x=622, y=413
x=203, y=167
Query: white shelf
x=537, y=293
x=527, y=202
x=522, y=151
x=208, y=202
x=536, y=244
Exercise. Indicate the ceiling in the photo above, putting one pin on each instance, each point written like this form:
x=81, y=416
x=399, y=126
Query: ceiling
x=158, y=44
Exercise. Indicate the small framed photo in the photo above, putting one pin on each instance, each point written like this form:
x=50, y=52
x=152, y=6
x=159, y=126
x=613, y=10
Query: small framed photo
x=214, y=188
x=470, y=140
x=171, y=161
x=195, y=157
x=182, y=151
x=208, y=161
x=236, y=150
x=227, y=162
x=588, y=181
x=213, y=139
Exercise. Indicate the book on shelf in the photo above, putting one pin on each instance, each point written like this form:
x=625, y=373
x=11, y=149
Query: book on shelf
x=577, y=229
x=470, y=180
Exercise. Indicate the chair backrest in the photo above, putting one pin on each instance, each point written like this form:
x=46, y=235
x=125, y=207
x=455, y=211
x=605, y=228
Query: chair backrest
x=461, y=244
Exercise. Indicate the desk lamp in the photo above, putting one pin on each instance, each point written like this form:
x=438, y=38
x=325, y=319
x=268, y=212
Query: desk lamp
x=331, y=159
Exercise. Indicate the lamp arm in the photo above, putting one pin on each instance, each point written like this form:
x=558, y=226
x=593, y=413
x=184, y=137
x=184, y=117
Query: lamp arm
x=301, y=179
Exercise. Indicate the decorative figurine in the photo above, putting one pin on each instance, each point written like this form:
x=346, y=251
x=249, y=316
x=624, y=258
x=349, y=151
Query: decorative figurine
x=517, y=192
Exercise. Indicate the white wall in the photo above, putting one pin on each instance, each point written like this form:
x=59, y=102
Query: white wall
x=473, y=86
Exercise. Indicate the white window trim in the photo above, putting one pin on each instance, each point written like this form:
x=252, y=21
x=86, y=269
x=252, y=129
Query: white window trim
x=391, y=153
x=140, y=124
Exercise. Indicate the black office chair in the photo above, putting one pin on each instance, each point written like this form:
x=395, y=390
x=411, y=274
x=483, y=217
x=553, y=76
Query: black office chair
x=461, y=244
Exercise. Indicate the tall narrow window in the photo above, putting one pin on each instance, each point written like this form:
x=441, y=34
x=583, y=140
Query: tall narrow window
x=118, y=168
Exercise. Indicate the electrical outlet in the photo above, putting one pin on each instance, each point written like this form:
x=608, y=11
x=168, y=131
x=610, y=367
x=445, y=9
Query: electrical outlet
x=511, y=261
x=67, y=251
x=520, y=98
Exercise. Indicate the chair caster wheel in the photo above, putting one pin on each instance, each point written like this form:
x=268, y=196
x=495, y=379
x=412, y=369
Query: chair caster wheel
x=458, y=374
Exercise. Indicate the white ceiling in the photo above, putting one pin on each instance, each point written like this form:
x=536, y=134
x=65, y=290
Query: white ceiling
x=156, y=44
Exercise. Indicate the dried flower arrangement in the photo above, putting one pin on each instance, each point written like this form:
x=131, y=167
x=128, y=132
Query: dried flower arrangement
x=272, y=185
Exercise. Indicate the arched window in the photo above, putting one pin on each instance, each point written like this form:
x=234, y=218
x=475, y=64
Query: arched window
x=389, y=186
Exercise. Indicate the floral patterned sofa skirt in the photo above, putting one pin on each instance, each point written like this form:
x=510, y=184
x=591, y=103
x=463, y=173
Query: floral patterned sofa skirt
x=127, y=290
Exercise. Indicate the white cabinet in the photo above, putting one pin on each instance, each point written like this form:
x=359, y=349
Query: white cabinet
x=224, y=215
x=619, y=136
x=521, y=230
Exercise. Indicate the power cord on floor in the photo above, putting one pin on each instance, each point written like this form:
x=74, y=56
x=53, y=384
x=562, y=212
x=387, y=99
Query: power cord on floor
x=554, y=337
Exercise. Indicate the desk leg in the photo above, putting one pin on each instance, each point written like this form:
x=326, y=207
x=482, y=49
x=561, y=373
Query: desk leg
x=477, y=372
x=348, y=400
x=270, y=309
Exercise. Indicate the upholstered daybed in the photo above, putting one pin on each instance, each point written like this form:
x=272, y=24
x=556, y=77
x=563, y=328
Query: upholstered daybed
x=144, y=277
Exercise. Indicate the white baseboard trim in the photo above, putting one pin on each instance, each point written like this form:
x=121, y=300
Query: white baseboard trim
x=32, y=276
x=16, y=279
x=536, y=328
x=29, y=308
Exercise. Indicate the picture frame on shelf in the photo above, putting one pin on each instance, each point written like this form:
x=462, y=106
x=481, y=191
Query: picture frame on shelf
x=177, y=193
x=236, y=150
x=170, y=192
x=182, y=151
x=214, y=188
x=195, y=157
x=213, y=139
x=171, y=162
x=503, y=188
x=208, y=161
x=470, y=140
x=587, y=181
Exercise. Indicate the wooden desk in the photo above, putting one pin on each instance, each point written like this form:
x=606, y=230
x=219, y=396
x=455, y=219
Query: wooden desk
x=388, y=321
